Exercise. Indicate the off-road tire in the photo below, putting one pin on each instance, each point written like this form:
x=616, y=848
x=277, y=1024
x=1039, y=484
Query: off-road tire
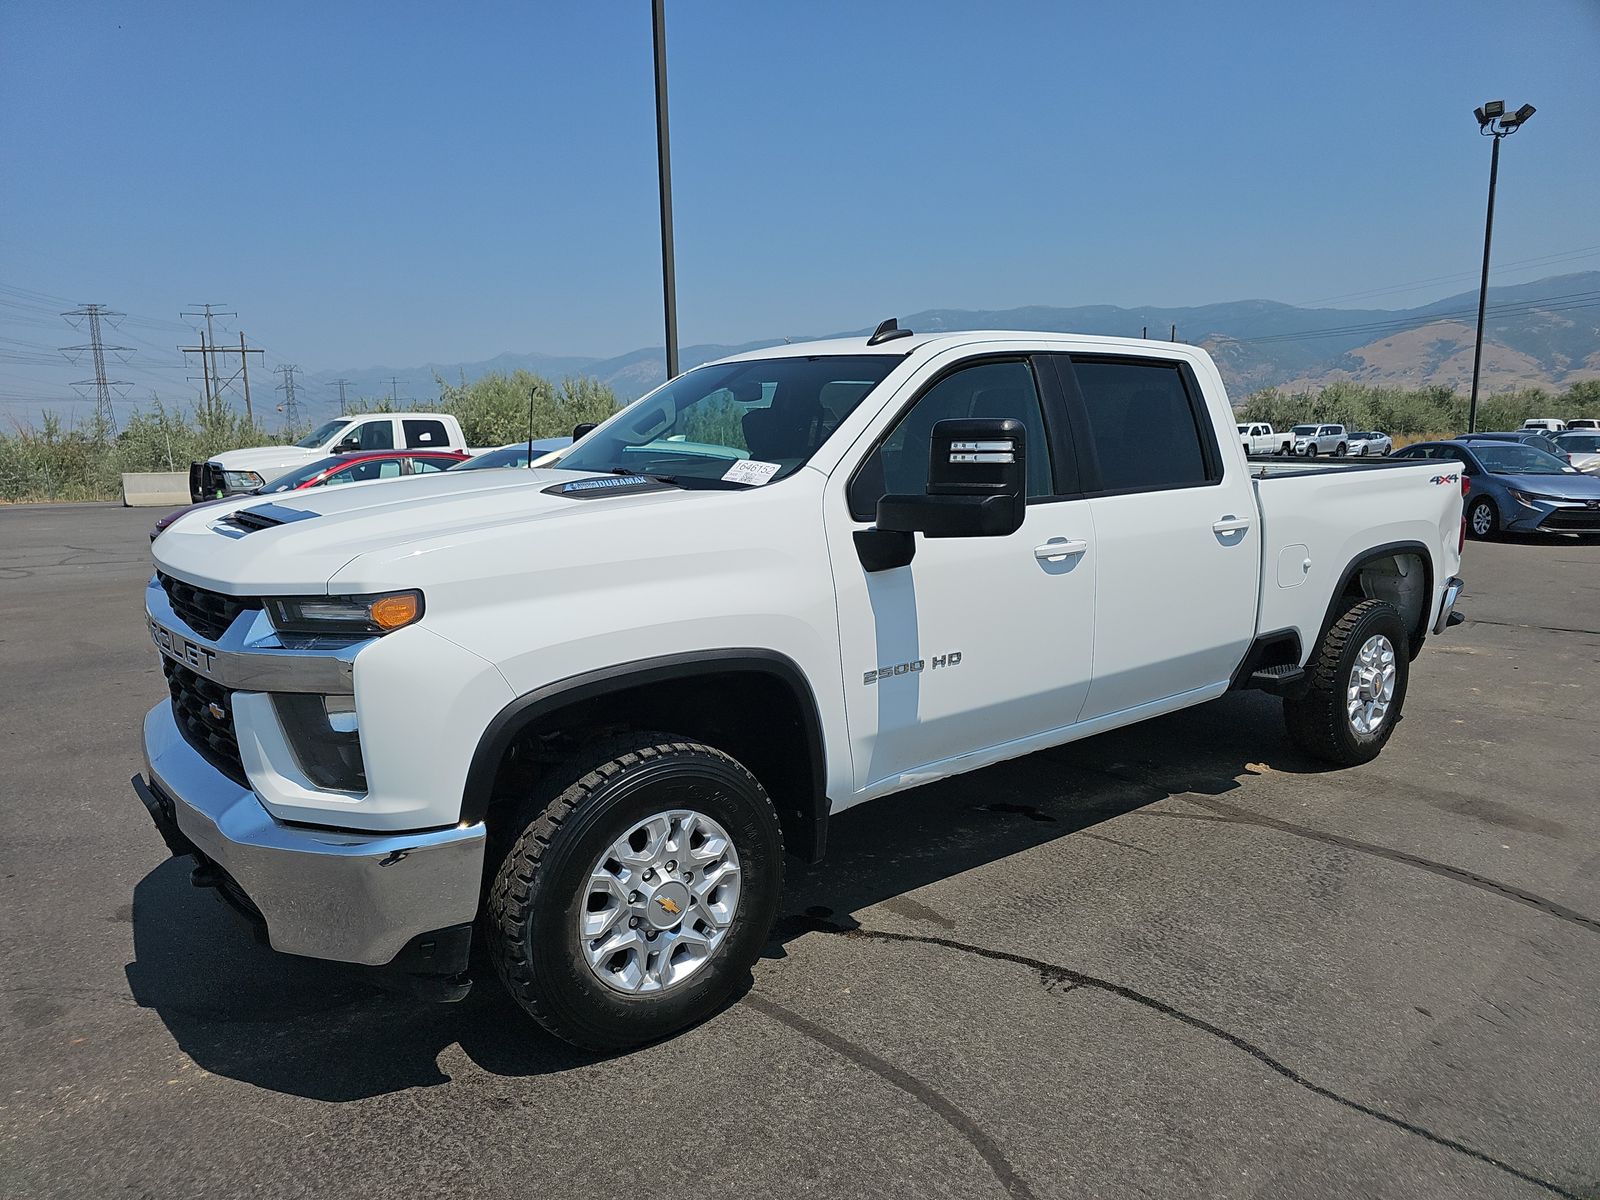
x=1493, y=524
x=539, y=868
x=1317, y=719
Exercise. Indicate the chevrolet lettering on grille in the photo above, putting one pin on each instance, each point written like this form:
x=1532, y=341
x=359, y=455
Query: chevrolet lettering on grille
x=178, y=647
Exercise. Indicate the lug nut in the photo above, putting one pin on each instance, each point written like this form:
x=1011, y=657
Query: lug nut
x=688, y=876
x=649, y=874
x=633, y=897
x=651, y=936
x=633, y=922
x=672, y=866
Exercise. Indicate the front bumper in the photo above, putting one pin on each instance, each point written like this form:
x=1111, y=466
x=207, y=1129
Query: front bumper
x=324, y=893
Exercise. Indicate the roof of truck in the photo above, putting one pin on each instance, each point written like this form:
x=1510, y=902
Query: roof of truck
x=903, y=345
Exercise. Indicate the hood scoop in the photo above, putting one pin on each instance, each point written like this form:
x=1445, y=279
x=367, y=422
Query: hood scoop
x=265, y=516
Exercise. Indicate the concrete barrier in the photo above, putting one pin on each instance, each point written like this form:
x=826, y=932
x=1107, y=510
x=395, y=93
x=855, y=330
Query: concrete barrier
x=154, y=489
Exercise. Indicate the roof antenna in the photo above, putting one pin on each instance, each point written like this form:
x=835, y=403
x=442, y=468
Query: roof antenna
x=887, y=332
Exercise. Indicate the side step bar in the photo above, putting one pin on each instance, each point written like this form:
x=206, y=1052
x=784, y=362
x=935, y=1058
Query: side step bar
x=1279, y=681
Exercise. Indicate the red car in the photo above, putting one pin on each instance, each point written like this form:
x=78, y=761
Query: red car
x=341, y=468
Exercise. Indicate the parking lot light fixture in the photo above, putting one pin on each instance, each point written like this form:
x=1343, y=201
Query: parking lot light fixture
x=1492, y=123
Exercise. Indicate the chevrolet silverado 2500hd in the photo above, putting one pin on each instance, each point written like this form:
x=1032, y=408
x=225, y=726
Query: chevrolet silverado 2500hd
x=580, y=712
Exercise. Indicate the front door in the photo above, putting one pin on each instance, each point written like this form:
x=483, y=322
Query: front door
x=979, y=642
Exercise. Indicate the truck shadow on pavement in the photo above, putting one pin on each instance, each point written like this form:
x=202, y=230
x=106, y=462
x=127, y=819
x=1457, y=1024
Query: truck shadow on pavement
x=324, y=1031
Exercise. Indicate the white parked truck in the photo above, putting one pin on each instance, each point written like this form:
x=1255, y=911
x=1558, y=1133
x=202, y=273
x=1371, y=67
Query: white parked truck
x=581, y=712
x=1258, y=437
x=235, y=472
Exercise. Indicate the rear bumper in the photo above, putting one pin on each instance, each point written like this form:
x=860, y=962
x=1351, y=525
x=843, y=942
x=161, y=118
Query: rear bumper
x=1448, y=616
x=369, y=898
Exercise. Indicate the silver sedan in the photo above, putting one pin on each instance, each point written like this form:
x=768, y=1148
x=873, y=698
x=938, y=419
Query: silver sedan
x=1365, y=442
x=1584, y=448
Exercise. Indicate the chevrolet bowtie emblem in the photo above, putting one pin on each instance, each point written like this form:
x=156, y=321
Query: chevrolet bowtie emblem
x=217, y=711
x=668, y=905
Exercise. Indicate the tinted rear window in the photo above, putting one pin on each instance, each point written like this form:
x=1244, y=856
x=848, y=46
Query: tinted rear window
x=1144, y=426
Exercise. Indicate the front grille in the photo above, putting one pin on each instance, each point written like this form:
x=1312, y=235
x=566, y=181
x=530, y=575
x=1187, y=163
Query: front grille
x=207, y=613
x=1572, y=518
x=192, y=698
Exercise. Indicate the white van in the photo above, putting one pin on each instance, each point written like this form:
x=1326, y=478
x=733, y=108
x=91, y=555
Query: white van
x=1547, y=424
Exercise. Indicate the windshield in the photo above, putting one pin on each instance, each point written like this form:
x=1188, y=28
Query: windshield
x=1305, y=430
x=512, y=456
x=321, y=434
x=294, y=478
x=1244, y=429
x=774, y=412
x=1513, y=458
x=1581, y=443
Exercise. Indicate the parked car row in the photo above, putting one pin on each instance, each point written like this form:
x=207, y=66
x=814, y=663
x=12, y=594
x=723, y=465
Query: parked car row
x=1259, y=438
x=1557, y=425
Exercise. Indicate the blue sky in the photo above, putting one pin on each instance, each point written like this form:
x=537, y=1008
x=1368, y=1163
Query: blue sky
x=402, y=183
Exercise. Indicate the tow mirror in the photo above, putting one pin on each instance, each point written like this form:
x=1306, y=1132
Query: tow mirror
x=582, y=428
x=977, y=487
x=347, y=444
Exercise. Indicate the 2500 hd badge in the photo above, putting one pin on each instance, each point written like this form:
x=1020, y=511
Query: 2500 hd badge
x=953, y=659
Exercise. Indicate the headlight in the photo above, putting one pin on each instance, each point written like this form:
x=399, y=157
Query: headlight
x=381, y=613
x=1527, y=499
x=241, y=479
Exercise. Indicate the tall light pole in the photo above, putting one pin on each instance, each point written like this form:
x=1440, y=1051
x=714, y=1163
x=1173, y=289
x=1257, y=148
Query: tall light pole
x=669, y=282
x=1493, y=122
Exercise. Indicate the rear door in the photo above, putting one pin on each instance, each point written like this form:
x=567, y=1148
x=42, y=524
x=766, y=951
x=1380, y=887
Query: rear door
x=1177, y=541
x=979, y=642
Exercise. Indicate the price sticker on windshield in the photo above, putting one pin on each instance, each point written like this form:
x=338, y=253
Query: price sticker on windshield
x=751, y=471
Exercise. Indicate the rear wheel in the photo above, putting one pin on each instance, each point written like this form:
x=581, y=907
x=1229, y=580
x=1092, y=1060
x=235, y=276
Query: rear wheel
x=637, y=890
x=1358, y=682
x=1482, y=519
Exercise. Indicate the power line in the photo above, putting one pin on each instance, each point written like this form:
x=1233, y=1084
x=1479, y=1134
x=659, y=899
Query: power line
x=342, y=384
x=105, y=419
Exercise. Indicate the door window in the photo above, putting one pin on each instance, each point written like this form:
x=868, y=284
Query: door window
x=425, y=434
x=377, y=468
x=1145, y=427
x=899, y=466
x=423, y=466
x=377, y=435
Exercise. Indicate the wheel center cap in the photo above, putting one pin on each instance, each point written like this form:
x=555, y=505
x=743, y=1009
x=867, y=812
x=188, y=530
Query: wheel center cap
x=667, y=904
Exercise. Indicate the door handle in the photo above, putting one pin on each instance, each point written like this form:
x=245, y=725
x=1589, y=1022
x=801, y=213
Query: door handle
x=1231, y=525
x=1052, y=551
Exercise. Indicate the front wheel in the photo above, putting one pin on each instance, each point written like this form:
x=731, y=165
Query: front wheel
x=636, y=892
x=1311, y=450
x=1358, y=676
x=1482, y=520
x=1340, y=450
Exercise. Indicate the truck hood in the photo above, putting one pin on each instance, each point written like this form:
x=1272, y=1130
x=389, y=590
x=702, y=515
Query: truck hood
x=300, y=540
x=266, y=461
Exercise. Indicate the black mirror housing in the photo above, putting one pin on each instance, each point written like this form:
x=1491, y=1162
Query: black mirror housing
x=977, y=482
x=977, y=487
x=581, y=428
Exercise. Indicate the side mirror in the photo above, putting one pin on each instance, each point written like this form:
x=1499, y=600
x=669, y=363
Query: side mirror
x=582, y=428
x=977, y=487
x=348, y=444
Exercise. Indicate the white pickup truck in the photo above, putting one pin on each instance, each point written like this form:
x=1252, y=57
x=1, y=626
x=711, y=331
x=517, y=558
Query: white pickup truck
x=235, y=472
x=580, y=712
x=1258, y=438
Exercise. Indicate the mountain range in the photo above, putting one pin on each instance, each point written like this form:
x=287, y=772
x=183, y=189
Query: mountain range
x=1545, y=333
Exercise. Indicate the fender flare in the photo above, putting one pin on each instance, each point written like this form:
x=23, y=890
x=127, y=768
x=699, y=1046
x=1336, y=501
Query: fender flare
x=512, y=720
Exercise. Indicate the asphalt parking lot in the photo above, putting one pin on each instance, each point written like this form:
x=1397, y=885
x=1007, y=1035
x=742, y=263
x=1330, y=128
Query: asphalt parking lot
x=1177, y=960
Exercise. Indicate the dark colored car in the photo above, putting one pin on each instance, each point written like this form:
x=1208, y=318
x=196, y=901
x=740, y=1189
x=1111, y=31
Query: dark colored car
x=1517, y=487
x=337, y=469
x=514, y=455
x=1528, y=437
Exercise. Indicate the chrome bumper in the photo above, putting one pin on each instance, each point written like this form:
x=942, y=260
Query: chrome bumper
x=1447, y=614
x=323, y=893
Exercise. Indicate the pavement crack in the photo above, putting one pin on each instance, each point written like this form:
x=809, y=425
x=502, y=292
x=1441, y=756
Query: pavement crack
x=1232, y=814
x=975, y=1136
x=1059, y=978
